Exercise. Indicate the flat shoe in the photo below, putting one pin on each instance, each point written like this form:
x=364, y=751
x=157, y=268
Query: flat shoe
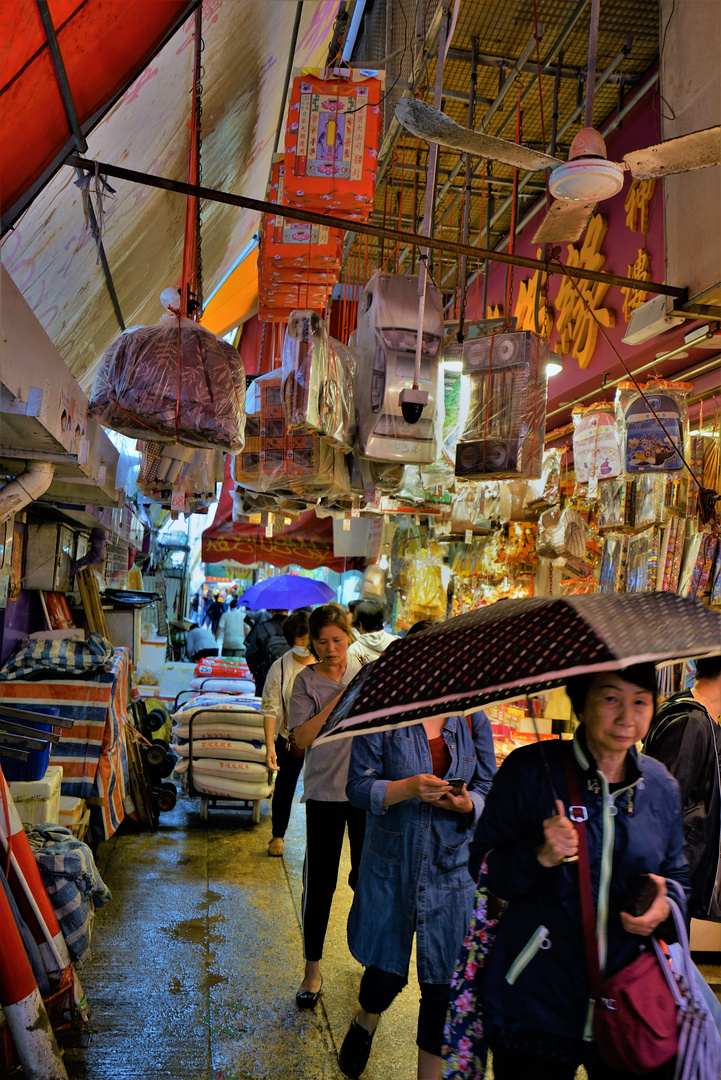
x=355, y=1051
x=275, y=847
x=308, y=999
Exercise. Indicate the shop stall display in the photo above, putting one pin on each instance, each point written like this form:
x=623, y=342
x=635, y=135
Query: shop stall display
x=385, y=342
x=318, y=377
x=331, y=142
x=174, y=381
x=596, y=443
x=505, y=428
x=653, y=425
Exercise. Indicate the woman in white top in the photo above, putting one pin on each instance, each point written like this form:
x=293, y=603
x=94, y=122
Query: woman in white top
x=281, y=754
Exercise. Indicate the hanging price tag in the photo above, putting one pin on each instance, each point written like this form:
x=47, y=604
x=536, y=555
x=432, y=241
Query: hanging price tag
x=177, y=502
x=346, y=523
x=593, y=487
x=469, y=536
x=371, y=494
x=355, y=507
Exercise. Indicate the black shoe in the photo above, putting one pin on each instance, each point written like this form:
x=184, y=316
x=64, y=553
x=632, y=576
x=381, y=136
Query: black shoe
x=308, y=999
x=355, y=1051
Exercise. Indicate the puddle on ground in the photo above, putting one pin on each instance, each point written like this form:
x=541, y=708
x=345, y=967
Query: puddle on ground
x=196, y=930
x=211, y=896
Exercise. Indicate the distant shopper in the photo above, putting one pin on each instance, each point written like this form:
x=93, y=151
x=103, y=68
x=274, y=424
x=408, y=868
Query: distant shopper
x=264, y=645
x=686, y=737
x=371, y=638
x=232, y=630
x=281, y=753
x=214, y=612
x=327, y=810
x=352, y=605
x=200, y=642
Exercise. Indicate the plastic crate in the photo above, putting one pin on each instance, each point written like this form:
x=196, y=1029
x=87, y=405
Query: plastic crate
x=37, y=763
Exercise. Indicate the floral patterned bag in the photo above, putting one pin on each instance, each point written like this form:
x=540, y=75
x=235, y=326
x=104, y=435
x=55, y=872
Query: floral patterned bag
x=465, y=1050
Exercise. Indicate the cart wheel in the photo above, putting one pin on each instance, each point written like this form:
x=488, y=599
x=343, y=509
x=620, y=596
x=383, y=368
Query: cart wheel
x=256, y=811
x=203, y=808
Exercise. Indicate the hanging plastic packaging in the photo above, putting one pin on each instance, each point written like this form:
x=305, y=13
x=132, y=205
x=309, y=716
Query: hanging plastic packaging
x=296, y=245
x=286, y=462
x=642, y=561
x=647, y=447
x=596, y=442
x=385, y=343
x=317, y=388
x=613, y=564
x=172, y=382
x=505, y=428
x=331, y=142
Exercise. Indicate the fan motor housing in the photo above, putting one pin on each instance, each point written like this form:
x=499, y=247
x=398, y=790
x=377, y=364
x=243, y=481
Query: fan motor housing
x=589, y=179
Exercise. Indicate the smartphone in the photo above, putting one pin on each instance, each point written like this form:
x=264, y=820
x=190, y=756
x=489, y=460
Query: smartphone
x=456, y=783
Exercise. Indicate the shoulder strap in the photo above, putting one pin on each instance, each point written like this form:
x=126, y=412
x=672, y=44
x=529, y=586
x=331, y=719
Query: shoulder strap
x=588, y=915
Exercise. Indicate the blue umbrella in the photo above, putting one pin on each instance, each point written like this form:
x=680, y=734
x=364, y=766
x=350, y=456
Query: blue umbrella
x=287, y=591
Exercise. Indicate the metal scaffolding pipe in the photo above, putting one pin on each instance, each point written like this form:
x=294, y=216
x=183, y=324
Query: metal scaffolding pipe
x=362, y=228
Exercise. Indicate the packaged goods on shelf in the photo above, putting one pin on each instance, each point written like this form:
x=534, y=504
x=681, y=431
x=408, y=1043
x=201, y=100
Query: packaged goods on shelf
x=331, y=142
x=385, y=344
x=505, y=428
x=670, y=555
x=278, y=460
x=646, y=445
x=317, y=381
x=172, y=382
x=657, y=496
x=616, y=508
x=613, y=564
x=596, y=443
x=642, y=560
x=697, y=565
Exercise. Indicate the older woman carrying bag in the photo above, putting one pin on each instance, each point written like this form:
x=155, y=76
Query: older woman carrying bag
x=327, y=810
x=536, y=991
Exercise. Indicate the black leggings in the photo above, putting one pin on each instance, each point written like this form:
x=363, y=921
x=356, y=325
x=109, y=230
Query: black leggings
x=378, y=989
x=325, y=824
x=508, y=1065
x=285, y=784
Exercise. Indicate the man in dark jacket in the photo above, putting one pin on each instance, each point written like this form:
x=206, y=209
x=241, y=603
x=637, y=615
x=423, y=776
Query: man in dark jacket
x=264, y=644
x=686, y=737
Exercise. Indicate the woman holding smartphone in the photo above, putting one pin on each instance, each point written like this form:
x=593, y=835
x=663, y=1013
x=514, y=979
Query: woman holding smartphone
x=424, y=788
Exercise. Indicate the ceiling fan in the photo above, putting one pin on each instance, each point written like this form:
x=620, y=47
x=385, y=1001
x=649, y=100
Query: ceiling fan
x=578, y=184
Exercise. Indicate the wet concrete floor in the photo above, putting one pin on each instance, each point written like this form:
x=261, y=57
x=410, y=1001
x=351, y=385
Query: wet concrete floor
x=196, y=960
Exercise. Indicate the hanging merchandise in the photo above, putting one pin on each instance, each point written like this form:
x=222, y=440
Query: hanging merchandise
x=616, y=504
x=285, y=462
x=546, y=491
x=657, y=496
x=385, y=342
x=172, y=382
x=698, y=565
x=331, y=142
x=179, y=477
x=317, y=388
x=613, y=563
x=647, y=446
x=504, y=432
x=596, y=444
x=424, y=579
x=568, y=537
x=381, y=477
x=642, y=561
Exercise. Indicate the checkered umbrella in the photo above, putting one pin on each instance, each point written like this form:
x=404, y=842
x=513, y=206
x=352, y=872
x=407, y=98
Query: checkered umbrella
x=518, y=647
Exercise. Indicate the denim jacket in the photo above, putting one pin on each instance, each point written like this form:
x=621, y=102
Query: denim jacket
x=414, y=869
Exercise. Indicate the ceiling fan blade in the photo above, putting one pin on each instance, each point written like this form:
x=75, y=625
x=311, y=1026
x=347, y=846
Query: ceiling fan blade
x=565, y=221
x=429, y=124
x=698, y=150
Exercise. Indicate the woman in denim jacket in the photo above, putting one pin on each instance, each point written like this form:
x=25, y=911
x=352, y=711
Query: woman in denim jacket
x=414, y=870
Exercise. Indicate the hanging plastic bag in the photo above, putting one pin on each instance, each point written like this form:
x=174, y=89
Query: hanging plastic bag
x=596, y=442
x=647, y=446
x=318, y=374
x=172, y=382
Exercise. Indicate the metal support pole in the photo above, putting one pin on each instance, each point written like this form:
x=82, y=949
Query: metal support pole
x=395, y=236
x=591, y=71
x=467, y=193
x=73, y=120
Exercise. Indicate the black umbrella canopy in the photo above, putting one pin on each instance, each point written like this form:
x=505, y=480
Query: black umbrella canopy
x=518, y=647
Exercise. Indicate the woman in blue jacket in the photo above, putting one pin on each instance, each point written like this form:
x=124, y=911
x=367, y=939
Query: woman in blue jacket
x=537, y=1008
x=413, y=875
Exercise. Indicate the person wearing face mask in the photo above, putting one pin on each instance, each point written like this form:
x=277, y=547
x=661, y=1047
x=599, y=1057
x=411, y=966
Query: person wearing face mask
x=281, y=754
x=327, y=810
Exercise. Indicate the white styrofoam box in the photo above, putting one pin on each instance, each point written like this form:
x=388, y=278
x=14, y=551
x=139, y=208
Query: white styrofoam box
x=175, y=677
x=71, y=810
x=38, y=801
x=152, y=656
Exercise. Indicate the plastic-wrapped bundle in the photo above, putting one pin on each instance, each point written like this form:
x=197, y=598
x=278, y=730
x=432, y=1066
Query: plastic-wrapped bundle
x=172, y=382
x=317, y=377
x=331, y=142
x=282, y=461
x=596, y=442
x=647, y=447
x=505, y=429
